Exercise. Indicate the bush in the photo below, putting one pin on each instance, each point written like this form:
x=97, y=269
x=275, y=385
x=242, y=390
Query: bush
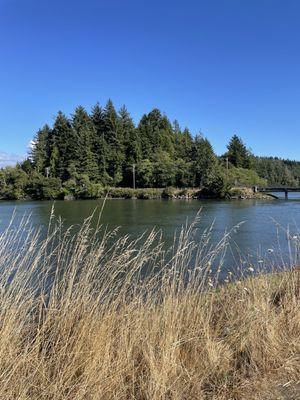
x=244, y=177
x=70, y=186
x=168, y=193
x=150, y=193
x=121, y=193
x=40, y=188
x=52, y=188
x=215, y=184
x=13, y=182
x=236, y=192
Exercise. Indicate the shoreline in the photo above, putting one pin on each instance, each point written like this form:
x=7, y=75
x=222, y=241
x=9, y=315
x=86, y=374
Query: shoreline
x=169, y=193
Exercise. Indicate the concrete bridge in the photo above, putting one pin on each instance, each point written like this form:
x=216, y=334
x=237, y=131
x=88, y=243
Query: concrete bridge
x=270, y=189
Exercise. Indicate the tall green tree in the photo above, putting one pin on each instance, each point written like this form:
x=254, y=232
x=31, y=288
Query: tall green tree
x=203, y=159
x=63, y=147
x=115, y=141
x=238, y=154
x=156, y=134
x=85, y=132
x=164, y=169
x=40, y=152
x=132, y=146
x=183, y=142
x=100, y=145
x=145, y=174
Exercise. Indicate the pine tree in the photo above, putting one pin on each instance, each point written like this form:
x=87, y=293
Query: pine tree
x=203, y=159
x=100, y=145
x=63, y=147
x=238, y=154
x=156, y=134
x=115, y=142
x=132, y=146
x=183, y=143
x=85, y=133
x=40, y=152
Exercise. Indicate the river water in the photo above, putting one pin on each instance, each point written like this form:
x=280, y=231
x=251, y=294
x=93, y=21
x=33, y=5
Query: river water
x=263, y=234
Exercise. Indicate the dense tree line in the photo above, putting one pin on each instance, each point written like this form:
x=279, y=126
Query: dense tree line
x=81, y=154
x=105, y=146
x=278, y=172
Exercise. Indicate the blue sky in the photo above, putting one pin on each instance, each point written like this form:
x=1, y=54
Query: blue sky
x=222, y=67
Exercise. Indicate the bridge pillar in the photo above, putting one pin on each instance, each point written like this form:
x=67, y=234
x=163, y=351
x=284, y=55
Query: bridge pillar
x=286, y=195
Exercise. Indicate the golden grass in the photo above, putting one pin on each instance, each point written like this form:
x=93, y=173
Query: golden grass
x=88, y=316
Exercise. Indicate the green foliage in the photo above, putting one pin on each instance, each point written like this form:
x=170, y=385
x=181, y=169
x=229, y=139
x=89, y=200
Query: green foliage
x=129, y=193
x=51, y=188
x=156, y=134
x=81, y=155
x=121, y=193
x=168, y=193
x=215, y=184
x=238, y=154
x=105, y=148
x=85, y=189
x=244, y=177
x=13, y=182
x=145, y=170
x=163, y=169
x=41, y=149
x=183, y=173
x=149, y=193
x=40, y=188
x=204, y=160
x=278, y=172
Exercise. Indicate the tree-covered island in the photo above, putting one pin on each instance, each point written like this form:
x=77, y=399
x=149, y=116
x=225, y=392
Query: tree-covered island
x=90, y=155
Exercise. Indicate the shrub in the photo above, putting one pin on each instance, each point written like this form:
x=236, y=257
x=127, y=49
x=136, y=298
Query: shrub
x=244, y=177
x=40, y=187
x=51, y=188
x=215, y=184
x=121, y=193
x=13, y=182
x=168, y=193
x=236, y=192
x=149, y=193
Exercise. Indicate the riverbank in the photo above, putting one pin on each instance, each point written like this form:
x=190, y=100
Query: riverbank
x=244, y=193
x=105, y=330
x=239, y=193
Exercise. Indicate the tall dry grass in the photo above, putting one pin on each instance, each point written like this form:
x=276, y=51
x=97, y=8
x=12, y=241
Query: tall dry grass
x=88, y=316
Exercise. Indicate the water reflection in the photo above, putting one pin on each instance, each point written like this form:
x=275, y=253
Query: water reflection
x=256, y=238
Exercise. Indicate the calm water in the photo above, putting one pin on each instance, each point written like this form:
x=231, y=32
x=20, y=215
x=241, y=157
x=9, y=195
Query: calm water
x=254, y=238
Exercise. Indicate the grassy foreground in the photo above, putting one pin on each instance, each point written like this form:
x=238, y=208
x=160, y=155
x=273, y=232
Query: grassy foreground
x=80, y=318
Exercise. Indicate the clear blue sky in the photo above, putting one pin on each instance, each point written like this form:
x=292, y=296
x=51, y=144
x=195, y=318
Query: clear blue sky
x=222, y=67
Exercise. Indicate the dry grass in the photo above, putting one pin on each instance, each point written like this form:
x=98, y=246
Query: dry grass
x=89, y=316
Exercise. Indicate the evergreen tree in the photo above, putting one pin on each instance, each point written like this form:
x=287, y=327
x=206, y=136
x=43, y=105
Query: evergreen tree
x=27, y=166
x=203, y=159
x=156, y=134
x=132, y=145
x=100, y=145
x=164, y=169
x=63, y=147
x=183, y=142
x=144, y=174
x=85, y=132
x=238, y=154
x=40, y=152
x=115, y=142
x=184, y=176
